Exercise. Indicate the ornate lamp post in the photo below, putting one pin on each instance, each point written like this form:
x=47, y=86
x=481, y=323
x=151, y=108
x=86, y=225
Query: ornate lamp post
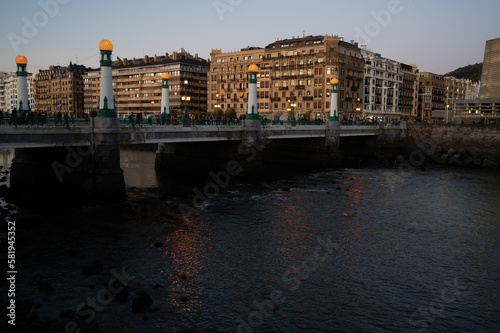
x=186, y=121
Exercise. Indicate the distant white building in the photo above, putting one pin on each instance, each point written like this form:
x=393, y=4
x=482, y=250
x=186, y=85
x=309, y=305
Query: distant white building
x=383, y=79
x=8, y=92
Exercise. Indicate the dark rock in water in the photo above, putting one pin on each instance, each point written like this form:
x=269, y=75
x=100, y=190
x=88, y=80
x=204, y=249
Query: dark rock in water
x=92, y=268
x=75, y=325
x=45, y=286
x=23, y=308
x=141, y=302
x=37, y=328
x=159, y=244
x=490, y=164
x=4, y=191
x=68, y=314
x=478, y=161
x=347, y=189
x=122, y=296
x=72, y=252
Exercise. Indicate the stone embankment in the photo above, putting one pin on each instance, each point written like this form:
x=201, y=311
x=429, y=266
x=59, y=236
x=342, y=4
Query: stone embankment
x=461, y=145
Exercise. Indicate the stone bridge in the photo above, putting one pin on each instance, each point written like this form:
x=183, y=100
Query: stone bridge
x=84, y=157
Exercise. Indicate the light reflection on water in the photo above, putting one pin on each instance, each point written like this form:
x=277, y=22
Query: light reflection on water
x=400, y=244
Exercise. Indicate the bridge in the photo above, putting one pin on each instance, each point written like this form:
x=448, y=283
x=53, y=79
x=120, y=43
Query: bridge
x=79, y=132
x=82, y=156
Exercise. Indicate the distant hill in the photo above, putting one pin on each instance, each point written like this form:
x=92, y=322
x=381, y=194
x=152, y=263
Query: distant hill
x=471, y=72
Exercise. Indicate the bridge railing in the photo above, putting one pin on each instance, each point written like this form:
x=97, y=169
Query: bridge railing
x=267, y=122
x=358, y=123
x=43, y=121
x=173, y=122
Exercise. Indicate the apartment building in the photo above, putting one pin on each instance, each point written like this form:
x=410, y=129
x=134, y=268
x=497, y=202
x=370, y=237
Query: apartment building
x=137, y=84
x=383, y=80
x=291, y=71
x=431, y=95
x=60, y=89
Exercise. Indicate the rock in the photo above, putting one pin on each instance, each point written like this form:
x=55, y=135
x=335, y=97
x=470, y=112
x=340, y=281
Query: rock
x=454, y=158
x=493, y=158
x=478, y=161
x=68, y=314
x=122, y=296
x=75, y=325
x=72, y=252
x=141, y=302
x=37, y=327
x=490, y=164
x=92, y=268
x=23, y=308
x=45, y=286
x=159, y=244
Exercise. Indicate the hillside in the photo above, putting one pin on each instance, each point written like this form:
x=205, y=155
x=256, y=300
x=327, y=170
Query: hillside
x=471, y=72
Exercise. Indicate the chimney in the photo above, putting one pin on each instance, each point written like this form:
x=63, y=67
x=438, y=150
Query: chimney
x=196, y=56
x=125, y=61
x=146, y=59
x=166, y=55
x=155, y=58
x=174, y=56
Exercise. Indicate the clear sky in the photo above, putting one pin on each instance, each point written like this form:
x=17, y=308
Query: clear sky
x=437, y=35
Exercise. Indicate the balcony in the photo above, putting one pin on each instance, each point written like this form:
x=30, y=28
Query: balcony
x=307, y=98
x=283, y=88
x=300, y=87
x=275, y=99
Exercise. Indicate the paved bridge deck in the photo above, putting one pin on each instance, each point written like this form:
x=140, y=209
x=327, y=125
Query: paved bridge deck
x=80, y=134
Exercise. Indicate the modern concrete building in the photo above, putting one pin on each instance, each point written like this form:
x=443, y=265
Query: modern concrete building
x=137, y=84
x=490, y=78
x=8, y=92
x=60, y=89
x=291, y=71
x=486, y=108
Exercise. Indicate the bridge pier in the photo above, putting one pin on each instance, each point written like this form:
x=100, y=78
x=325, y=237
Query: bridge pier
x=332, y=143
x=89, y=174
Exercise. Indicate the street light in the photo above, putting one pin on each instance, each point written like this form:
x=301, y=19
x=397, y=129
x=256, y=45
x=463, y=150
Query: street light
x=217, y=107
x=186, y=99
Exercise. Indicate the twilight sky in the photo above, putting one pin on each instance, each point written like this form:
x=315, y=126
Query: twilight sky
x=437, y=35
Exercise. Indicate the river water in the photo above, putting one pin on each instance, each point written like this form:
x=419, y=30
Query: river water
x=331, y=250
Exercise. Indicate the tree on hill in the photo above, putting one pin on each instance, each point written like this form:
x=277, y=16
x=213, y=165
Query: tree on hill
x=471, y=72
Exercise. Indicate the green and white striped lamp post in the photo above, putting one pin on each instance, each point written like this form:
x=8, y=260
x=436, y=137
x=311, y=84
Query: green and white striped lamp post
x=22, y=103
x=334, y=108
x=106, y=107
x=252, y=111
x=165, y=104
